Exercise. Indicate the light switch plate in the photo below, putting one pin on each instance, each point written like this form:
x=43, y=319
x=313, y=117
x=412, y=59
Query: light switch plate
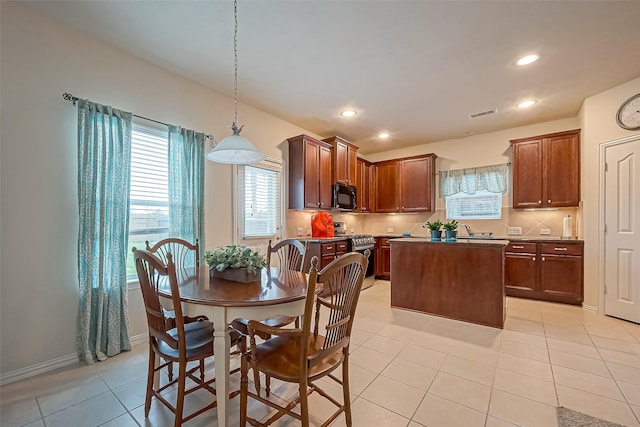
x=545, y=231
x=299, y=231
x=390, y=230
x=514, y=231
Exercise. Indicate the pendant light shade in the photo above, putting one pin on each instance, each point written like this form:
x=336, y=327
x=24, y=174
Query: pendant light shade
x=235, y=149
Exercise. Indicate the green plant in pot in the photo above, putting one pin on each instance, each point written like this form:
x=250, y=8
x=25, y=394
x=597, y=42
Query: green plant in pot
x=451, y=230
x=435, y=227
x=235, y=262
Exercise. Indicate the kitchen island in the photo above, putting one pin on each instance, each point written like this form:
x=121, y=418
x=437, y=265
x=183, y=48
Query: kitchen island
x=461, y=280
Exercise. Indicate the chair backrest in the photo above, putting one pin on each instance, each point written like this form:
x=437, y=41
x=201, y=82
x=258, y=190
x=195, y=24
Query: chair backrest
x=290, y=254
x=185, y=254
x=342, y=281
x=152, y=272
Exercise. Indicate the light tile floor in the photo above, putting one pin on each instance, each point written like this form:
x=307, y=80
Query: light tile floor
x=407, y=369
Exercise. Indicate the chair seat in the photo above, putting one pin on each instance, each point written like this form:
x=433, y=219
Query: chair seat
x=199, y=340
x=280, y=358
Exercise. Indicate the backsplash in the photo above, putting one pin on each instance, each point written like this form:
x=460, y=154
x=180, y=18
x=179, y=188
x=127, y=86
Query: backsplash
x=379, y=224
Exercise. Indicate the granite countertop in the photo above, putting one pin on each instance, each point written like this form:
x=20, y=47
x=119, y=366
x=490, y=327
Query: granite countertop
x=322, y=239
x=453, y=242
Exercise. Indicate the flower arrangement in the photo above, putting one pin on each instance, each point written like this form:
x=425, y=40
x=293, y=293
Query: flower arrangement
x=235, y=256
x=433, y=225
x=451, y=225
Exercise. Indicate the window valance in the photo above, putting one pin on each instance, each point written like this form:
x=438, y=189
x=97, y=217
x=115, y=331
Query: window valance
x=490, y=178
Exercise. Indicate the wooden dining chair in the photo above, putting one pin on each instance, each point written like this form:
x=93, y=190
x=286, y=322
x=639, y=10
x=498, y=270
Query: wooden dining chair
x=289, y=254
x=304, y=355
x=186, y=256
x=183, y=344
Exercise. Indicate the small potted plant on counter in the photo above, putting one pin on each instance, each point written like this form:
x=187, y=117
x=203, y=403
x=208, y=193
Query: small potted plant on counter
x=451, y=231
x=435, y=229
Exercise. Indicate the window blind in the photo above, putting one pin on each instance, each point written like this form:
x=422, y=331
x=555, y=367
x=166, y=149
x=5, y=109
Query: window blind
x=261, y=201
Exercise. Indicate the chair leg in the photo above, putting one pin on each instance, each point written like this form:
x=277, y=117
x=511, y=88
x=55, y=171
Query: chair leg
x=182, y=380
x=202, y=370
x=304, y=402
x=150, y=377
x=345, y=390
x=170, y=371
x=244, y=389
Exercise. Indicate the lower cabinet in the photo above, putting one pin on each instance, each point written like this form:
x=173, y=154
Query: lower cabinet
x=545, y=271
x=326, y=252
x=383, y=258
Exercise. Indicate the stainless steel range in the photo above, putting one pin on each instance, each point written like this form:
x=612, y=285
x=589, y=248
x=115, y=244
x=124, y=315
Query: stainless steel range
x=360, y=243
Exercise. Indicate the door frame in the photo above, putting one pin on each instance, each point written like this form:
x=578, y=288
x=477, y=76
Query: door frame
x=601, y=214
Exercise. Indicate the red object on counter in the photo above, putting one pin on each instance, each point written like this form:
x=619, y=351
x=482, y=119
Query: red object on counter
x=322, y=224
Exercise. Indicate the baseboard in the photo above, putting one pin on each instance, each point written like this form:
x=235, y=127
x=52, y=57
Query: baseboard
x=52, y=365
x=590, y=308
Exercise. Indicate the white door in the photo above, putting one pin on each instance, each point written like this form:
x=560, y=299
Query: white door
x=622, y=235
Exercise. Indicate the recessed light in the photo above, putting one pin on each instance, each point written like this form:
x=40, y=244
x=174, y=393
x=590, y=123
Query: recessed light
x=526, y=104
x=526, y=60
x=348, y=113
x=383, y=135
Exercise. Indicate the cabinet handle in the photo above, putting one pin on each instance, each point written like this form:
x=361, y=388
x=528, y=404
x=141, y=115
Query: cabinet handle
x=403, y=208
x=543, y=259
x=549, y=201
x=518, y=247
x=539, y=202
x=533, y=259
x=560, y=249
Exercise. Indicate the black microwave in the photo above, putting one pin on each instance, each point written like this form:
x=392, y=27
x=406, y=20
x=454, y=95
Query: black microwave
x=344, y=197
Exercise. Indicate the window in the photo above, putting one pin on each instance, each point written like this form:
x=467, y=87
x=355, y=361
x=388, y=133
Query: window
x=259, y=199
x=149, y=193
x=481, y=205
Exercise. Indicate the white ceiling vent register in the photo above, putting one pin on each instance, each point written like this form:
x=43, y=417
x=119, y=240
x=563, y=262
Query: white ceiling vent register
x=483, y=113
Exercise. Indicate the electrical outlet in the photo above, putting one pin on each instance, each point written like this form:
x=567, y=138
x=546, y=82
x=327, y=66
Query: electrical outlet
x=299, y=231
x=390, y=230
x=514, y=231
x=309, y=232
x=545, y=231
x=353, y=230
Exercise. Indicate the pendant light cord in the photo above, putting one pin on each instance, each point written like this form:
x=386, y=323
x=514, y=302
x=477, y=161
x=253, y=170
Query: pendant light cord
x=235, y=56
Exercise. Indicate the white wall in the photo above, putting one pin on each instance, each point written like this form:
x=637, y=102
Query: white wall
x=41, y=59
x=598, y=120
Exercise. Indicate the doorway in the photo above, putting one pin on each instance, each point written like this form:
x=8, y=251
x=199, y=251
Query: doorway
x=622, y=228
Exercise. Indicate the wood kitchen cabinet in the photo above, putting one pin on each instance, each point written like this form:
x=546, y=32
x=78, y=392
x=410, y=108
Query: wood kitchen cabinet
x=364, y=185
x=546, y=170
x=343, y=160
x=405, y=185
x=326, y=251
x=309, y=173
x=549, y=271
x=383, y=258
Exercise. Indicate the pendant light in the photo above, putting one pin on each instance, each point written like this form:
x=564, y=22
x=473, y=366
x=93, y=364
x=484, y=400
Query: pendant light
x=235, y=149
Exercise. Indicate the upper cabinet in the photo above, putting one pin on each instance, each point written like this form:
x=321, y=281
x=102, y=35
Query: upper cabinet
x=364, y=185
x=546, y=170
x=405, y=185
x=309, y=173
x=343, y=160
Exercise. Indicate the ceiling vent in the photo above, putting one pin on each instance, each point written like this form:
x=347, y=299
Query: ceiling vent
x=483, y=113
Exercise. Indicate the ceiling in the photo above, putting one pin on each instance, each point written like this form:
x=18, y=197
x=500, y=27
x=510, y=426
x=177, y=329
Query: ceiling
x=415, y=69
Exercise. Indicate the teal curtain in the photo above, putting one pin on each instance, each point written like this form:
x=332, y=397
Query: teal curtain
x=186, y=185
x=104, y=157
x=490, y=178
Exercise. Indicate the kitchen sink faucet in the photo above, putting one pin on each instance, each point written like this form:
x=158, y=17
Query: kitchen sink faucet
x=468, y=228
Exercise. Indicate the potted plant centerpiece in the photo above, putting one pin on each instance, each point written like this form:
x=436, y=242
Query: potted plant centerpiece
x=451, y=231
x=236, y=263
x=435, y=229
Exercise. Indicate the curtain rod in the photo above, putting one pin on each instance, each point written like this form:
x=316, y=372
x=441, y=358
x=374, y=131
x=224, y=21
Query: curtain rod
x=474, y=167
x=68, y=97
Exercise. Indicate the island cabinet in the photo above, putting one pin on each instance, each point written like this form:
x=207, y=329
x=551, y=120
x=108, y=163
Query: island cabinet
x=383, y=258
x=309, y=173
x=462, y=281
x=343, y=160
x=364, y=185
x=405, y=185
x=546, y=170
x=326, y=251
x=549, y=271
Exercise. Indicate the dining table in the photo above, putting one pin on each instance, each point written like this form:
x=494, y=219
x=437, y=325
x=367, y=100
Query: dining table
x=277, y=292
